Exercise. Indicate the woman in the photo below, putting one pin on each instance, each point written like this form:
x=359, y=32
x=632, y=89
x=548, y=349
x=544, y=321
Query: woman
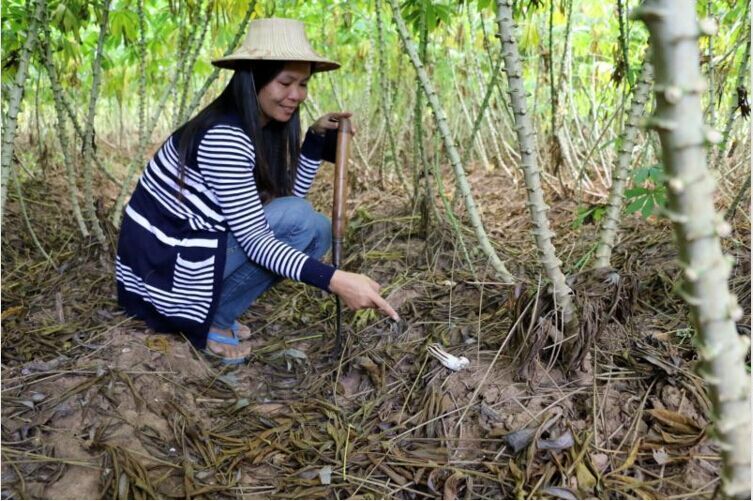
x=219, y=214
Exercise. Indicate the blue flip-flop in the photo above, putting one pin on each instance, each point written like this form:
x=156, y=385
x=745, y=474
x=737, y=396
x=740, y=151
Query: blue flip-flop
x=230, y=341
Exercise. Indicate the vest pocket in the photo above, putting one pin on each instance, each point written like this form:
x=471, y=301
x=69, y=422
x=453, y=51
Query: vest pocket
x=194, y=278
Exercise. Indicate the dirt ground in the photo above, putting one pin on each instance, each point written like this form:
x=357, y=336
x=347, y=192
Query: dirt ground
x=95, y=405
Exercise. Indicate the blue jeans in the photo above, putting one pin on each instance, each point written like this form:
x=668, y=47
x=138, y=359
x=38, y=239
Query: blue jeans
x=293, y=221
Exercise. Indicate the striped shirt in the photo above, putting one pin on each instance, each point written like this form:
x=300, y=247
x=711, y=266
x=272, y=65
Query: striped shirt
x=173, y=239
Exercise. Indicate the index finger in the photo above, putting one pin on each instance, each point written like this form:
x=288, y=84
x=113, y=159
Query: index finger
x=385, y=307
x=341, y=114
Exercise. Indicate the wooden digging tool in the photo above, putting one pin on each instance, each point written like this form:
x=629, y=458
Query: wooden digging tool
x=344, y=133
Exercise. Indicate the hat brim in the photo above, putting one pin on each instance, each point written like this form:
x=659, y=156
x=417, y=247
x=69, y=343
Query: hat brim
x=233, y=63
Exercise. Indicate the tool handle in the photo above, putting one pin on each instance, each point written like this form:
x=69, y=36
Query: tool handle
x=344, y=134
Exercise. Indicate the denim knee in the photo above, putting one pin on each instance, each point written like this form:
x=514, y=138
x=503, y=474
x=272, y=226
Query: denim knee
x=322, y=230
x=289, y=216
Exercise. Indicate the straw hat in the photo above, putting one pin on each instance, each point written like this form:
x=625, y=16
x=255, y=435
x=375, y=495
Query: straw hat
x=276, y=40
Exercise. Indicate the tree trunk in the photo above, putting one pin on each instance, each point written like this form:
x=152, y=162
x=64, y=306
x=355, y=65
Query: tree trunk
x=608, y=233
x=452, y=151
x=674, y=33
x=14, y=102
x=529, y=164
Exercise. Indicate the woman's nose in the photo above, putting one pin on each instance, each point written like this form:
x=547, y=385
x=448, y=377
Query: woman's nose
x=298, y=94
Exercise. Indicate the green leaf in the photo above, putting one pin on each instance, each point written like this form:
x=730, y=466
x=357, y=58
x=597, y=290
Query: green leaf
x=599, y=212
x=581, y=216
x=648, y=208
x=635, y=192
x=653, y=173
x=636, y=204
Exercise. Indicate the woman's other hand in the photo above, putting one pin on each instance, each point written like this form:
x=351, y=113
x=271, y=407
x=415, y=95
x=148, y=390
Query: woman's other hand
x=359, y=291
x=331, y=121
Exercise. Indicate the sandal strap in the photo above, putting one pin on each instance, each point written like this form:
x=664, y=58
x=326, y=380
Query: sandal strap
x=219, y=338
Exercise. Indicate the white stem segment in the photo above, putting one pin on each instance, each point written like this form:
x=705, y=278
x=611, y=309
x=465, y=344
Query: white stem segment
x=674, y=33
x=529, y=164
x=444, y=130
x=14, y=102
x=608, y=233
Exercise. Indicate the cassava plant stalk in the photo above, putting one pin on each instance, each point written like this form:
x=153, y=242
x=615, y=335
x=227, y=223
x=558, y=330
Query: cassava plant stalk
x=480, y=148
x=88, y=152
x=477, y=83
x=624, y=45
x=559, y=97
x=452, y=151
x=674, y=33
x=125, y=188
x=730, y=214
x=341, y=106
x=450, y=214
x=742, y=76
x=193, y=56
x=14, y=102
x=216, y=71
x=423, y=176
x=384, y=97
x=79, y=132
x=710, y=78
x=118, y=208
x=486, y=111
x=529, y=165
x=25, y=215
x=608, y=233
x=57, y=93
x=483, y=109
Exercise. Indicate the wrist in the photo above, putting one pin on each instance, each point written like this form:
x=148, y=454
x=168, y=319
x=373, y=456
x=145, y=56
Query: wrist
x=336, y=281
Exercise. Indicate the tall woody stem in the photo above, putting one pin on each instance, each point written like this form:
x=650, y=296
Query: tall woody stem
x=529, y=164
x=674, y=33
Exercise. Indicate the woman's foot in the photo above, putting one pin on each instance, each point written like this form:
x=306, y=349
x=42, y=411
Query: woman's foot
x=241, y=331
x=229, y=349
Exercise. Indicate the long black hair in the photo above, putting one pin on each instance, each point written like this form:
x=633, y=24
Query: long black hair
x=276, y=145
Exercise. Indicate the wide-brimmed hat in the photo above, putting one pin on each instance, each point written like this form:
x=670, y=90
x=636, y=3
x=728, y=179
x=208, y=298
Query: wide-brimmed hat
x=276, y=40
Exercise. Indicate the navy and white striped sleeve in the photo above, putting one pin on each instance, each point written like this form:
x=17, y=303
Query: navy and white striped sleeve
x=309, y=162
x=225, y=158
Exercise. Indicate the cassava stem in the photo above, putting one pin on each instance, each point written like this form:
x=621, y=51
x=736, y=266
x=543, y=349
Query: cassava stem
x=57, y=93
x=88, y=147
x=14, y=102
x=529, y=164
x=674, y=33
x=608, y=233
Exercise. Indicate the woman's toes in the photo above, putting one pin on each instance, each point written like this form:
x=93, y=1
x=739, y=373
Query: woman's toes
x=242, y=331
x=228, y=350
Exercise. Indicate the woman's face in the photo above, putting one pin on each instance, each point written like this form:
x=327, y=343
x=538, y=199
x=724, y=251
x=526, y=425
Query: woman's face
x=281, y=96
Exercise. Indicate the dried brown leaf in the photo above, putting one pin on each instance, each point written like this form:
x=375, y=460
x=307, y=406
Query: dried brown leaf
x=676, y=421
